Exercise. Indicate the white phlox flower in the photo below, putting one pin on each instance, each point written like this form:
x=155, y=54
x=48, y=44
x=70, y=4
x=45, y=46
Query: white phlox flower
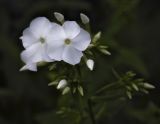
x=45, y=41
x=34, y=40
x=68, y=42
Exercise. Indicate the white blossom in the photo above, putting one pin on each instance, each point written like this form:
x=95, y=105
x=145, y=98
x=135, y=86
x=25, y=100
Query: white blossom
x=90, y=64
x=62, y=84
x=68, y=42
x=34, y=40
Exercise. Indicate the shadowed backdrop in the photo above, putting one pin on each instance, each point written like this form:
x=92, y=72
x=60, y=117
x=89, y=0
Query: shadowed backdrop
x=129, y=27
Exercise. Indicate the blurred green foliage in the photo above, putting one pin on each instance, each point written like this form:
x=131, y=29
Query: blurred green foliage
x=131, y=30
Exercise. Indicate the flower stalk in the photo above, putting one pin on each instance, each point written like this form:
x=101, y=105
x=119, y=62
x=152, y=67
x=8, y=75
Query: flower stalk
x=90, y=111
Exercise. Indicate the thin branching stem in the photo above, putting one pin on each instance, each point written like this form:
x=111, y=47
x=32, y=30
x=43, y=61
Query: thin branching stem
x=105, y=87
x=91, y=114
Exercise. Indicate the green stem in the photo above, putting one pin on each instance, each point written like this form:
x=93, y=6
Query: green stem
x=91, y=114
x=81, y=108
x=116, y=74
x=105, y=87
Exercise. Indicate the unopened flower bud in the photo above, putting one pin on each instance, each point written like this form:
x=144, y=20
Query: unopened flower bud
x=66, y=90
x=80, y=89
x=84, y=18
x=104, y=51
x=90, y=64
x=149, y=86
x=62, y=84
x=96, y=37
x=59, y=17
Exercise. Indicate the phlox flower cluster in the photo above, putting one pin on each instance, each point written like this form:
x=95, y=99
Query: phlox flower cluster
x=46, y=41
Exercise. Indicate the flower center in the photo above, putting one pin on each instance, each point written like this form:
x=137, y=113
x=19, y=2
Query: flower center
x=42, y=40
x=67, y=41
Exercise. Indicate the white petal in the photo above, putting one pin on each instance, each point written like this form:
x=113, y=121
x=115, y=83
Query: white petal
x=90, y=64
x=40, y=26
x=71, y=29
x=31, y=67
x=32, y=54
x=55, y=52
x=56, y=32
x=82, y=40
x=62, y=84
x=44, y=54
x=28, y=38
x=55, y=49
x=55, y=42
x=72, y=55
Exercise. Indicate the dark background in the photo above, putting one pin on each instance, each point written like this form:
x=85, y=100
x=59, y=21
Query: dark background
x=130, y=29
